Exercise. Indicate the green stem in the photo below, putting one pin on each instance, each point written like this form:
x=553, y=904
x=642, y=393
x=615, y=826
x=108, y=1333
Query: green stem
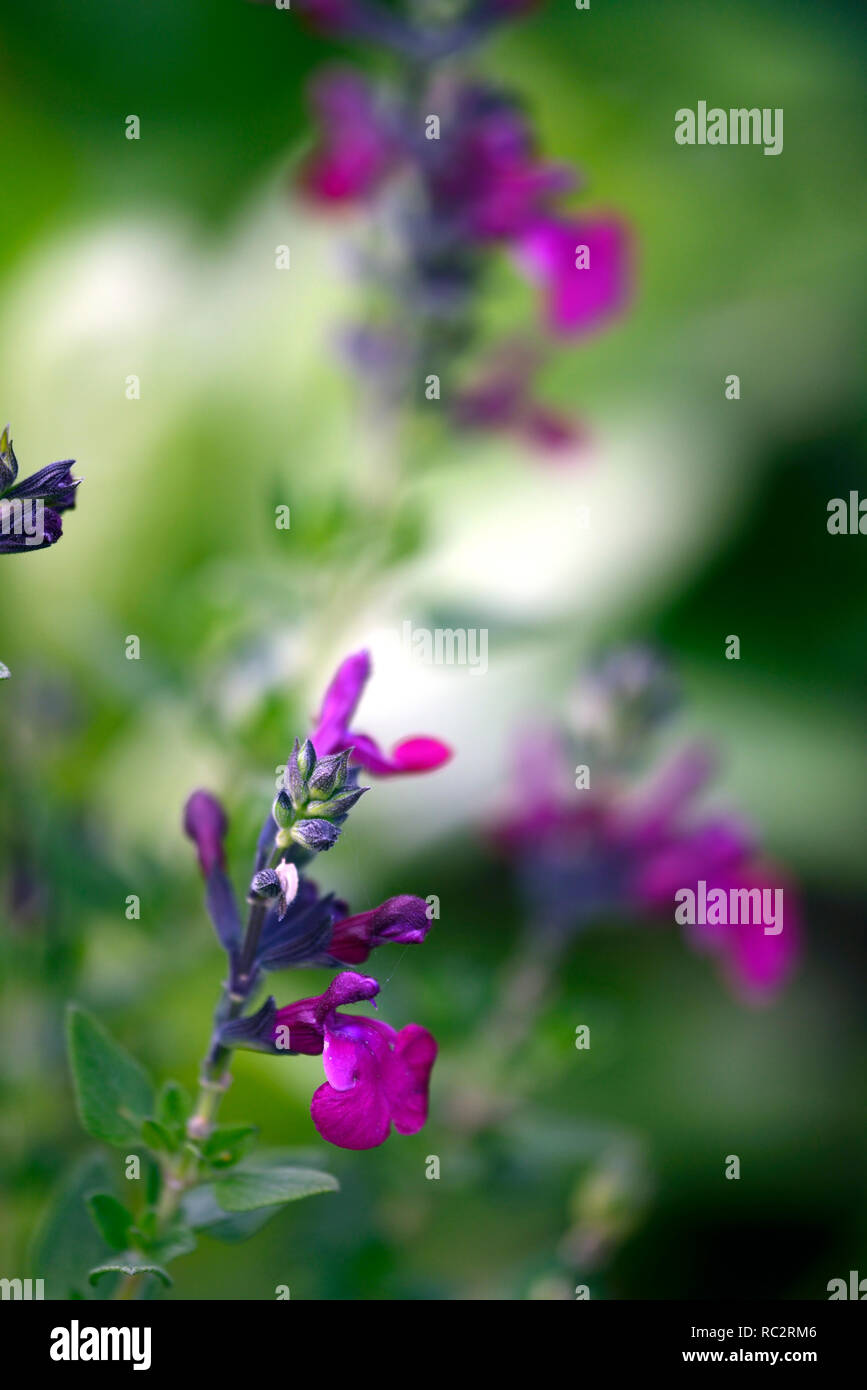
x=183, y=1173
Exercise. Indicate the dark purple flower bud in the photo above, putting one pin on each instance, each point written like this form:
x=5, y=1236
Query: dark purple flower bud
x=315, y=834
x=265, y=884
x=27, y=525
x=329, y=775
x=206, y=824
x=401, y=919
x=54, y=485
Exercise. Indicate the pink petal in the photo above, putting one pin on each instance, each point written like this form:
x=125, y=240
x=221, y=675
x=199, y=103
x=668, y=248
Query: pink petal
x=339, y=704
x=408, y=1077
x=420, y=754
x=354, y=1119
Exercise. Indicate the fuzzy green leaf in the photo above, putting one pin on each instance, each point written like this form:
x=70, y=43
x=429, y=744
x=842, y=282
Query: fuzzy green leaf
x=227, y=1144
x=111, y=1219
x=130, y=1262
x=173, y=1106
x=159, y=1137
x=112, y=1091
x=202, y=1212
x=247, y=1189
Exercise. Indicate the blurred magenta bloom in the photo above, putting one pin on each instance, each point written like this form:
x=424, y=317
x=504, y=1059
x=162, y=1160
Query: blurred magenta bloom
x=449, y=169
x=356, y=151
x=375, y=1076
x=332, y=734
x=579, y=299
x=620, y=847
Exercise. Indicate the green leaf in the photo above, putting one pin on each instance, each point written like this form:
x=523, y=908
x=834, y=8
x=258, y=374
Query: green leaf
x=201, y=1210
x=111, y=1219
x=180, y=1240
x=112, y=1091
x=130, y=1262
x=174, y=1106
x=66, y=1243
x=158, y=1137
x=227, y=1144
x=247, y=1189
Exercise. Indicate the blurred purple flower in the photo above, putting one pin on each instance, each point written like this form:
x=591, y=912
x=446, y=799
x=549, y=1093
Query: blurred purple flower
x=356, y=150
x=502, y=400
x=451, y=169
x=616, y=848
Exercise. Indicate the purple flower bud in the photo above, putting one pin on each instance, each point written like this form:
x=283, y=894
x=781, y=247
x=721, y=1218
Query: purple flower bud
x=265, y=884
x=206, y=824
x=401, y=919
x=329, y=774
x=315, y=834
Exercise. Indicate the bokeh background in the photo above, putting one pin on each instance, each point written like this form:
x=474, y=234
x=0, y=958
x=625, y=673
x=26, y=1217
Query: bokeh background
x=707, y=517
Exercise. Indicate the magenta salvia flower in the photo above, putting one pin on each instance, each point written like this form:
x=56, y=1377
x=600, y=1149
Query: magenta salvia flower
x=615, y=848
x=376, y=1077
x=420, y=753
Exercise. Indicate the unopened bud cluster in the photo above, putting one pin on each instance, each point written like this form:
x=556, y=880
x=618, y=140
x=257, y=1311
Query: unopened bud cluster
x=316, y=797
